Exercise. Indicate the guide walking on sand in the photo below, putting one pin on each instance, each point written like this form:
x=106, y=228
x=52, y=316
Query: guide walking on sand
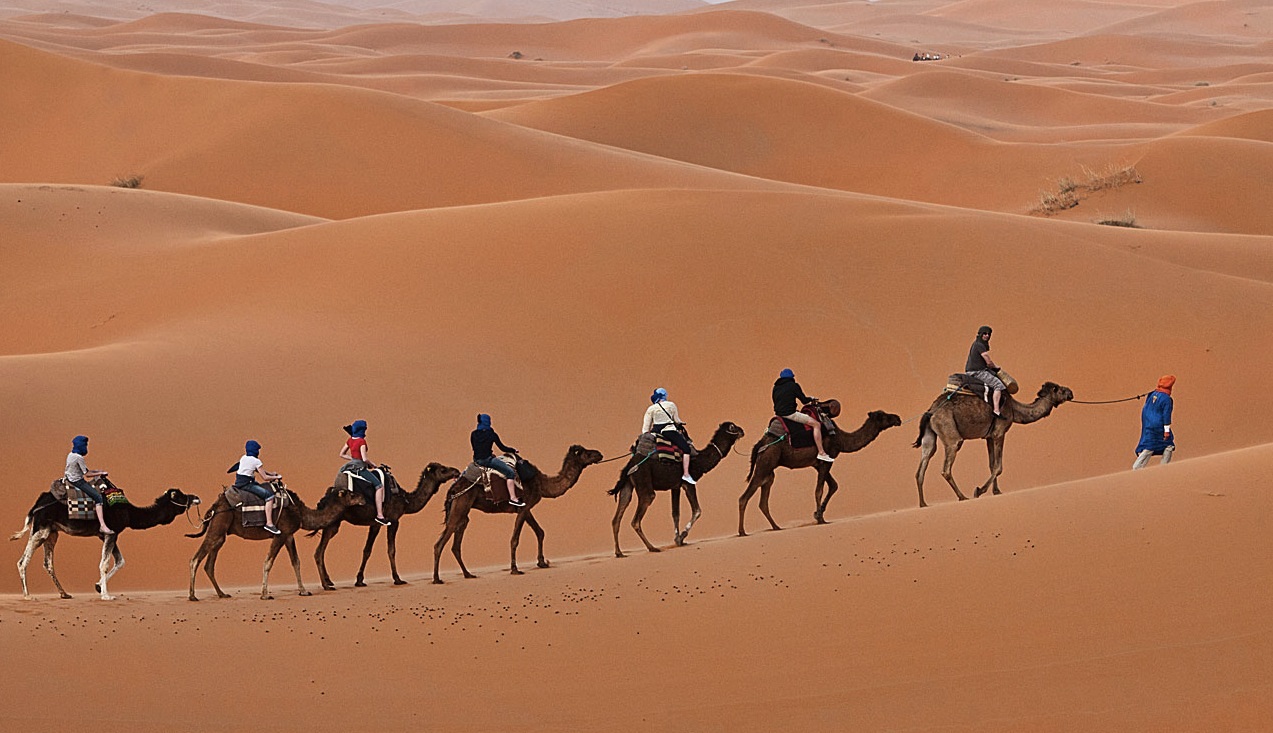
x=1156, y=438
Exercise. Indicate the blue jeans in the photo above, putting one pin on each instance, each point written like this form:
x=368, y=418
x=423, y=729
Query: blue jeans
x=87, y=488
x=496, y=464
x=256, y=490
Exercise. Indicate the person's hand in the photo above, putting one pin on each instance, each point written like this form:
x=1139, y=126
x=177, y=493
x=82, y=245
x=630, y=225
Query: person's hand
x=1166, y=435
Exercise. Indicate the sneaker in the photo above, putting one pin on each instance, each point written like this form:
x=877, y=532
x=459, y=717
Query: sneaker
x=825, y=457
x=272, y=529
x=516, y=502
x=383, y=522
x=687, y=479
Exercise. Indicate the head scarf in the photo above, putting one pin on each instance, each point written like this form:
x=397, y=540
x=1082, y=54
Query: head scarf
x=786, y=374
x=1165, y=383
x=80, y=445
x=252, y=448
x=984, y=330
x=358, y=429
x=483, y=422
x=659, y=395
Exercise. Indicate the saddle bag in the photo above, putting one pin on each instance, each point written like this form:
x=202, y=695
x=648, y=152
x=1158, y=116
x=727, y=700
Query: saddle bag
x=79, y=505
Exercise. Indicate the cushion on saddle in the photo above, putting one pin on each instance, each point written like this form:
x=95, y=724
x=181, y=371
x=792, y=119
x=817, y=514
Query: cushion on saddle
x=800, y=436
x=251, y=507
x=492, y=482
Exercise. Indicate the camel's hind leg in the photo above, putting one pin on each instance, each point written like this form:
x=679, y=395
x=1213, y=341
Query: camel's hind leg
x=457, y=545
x=320, y=556
x=290, y=543
x=36, y=539
x=276, y=544
x=540, y=562
x=49, y=545
x=109, y=550
x=621, y=505
x=373, y=531
x=644, y=500
x=820, y=512
x=948, y=465
x=758, y=480
x=927, y=447
x=995, y=453
x=691, y=493
x=391, y=539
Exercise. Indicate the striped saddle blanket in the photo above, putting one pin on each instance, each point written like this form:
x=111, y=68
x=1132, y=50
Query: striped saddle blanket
x=251, y=507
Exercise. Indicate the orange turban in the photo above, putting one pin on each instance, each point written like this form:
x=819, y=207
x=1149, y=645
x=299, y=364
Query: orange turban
x=1165, y=383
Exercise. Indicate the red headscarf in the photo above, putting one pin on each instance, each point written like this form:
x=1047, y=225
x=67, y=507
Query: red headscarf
x=1165, y=383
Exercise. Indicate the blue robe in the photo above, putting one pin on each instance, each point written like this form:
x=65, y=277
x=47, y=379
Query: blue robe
x=1153, y=416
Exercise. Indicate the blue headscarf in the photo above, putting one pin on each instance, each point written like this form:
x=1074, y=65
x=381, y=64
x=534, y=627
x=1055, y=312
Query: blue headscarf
x=786, y=374
x=659, y=395
x=79, y=444
x=358, y=429
x=483, y=422
x=252, y=448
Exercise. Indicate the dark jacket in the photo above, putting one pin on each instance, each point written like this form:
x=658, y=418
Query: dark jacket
x=786, y=392
x=482, y=440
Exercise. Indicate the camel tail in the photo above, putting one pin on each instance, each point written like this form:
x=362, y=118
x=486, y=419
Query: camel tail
x=618, y=485
x=751, y=467
x=26, y=527
x=923, y=428
x=313, y=532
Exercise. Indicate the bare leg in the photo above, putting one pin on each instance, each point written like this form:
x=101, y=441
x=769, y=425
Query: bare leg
x=269, y=513
x=817, y=438
x=380, y=502
x=998, y=399
x=101, y=519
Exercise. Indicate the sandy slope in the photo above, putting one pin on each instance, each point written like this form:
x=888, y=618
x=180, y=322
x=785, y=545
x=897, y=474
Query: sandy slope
x=346, y=215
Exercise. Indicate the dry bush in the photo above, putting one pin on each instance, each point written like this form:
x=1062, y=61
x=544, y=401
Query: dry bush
x=132, y=181
x=1127, y=219
x=1070, y=192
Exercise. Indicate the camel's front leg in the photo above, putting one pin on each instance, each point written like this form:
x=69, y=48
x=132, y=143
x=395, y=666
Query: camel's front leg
x=691, y=493
x=947, y=469
x=516, y=540
x=832, y=486
x=391, y=539
x=644, y=500
x=764, y=503
x=290, y=542
x=108, y=550
x=927, y=447
x=676, y=512
x=33, y=541
x=320, y=556
x=373, y=531
x=49, y=545
x=539, y=535
x=276, y=544
x=458, y=544
x=621, y=505
x=995, y=453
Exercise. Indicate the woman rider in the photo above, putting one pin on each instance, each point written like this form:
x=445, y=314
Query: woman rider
x=245, y=479
x=662, y=418
x=355, y=449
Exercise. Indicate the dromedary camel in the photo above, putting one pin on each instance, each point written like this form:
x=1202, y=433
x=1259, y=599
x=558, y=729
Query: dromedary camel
x=223, y=520
x=48, y=518
x=535, y=486
x=397, y=505
x=768, y=455
x=954, y=418
x=653, y=475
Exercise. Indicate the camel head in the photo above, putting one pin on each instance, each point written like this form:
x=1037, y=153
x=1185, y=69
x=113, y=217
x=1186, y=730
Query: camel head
x=178, y=498
x=437, y=474
x=1055, y=393
x=583, y=456
x=883, y=420
x=730, y=429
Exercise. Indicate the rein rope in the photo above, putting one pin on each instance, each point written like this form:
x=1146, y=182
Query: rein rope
x=1108, y=402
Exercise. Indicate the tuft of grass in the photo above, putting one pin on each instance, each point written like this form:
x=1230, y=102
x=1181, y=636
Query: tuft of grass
x=1202, y=83
x=1127, y=219
x=1069, y=192
x=131, y=181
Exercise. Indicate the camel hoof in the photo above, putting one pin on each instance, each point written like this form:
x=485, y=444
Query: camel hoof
x=304, y=593
x=66, y=595
x=222, y=595
x=819, y=519
x=619, y=554
x=655, y=549
x=194, y=599
x=97, y=588
x=108, y=598
x=399, y=581
x=923, y=505
x=515, y=571
x=680, y=541
x=541, y=564
x=329, y=587
x=742, y=534
x=359, y=584
x=267, y=598
x=437, y=581
x=469, y=576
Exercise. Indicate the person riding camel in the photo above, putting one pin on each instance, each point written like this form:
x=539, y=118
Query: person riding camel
x=483, y=438
x=661, y=417
x=355, y=449
x=245, y=480
x=983, y=369
x=77, y=473
x=786, y=392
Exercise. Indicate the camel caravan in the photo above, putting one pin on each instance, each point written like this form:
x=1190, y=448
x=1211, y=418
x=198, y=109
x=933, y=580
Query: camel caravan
x=976, y=404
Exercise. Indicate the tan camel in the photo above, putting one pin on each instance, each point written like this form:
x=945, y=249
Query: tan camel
x=652, y=475
x=462, y=497
x=223, y=520
x=48, y=518
x=770, y=454
x=397, y=504
x=954, y=418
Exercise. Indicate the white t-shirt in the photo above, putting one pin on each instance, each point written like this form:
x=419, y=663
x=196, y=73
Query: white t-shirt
x=661, y=414
x=75, y=468
x=248, y=465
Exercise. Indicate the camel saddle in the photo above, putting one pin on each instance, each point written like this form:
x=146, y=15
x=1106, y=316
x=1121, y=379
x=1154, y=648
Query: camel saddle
x=78, y=504
x=251, y=507
x=967, y=384
x=493, y=483
x=801, y=436
x=655, y=445
x=348, y=478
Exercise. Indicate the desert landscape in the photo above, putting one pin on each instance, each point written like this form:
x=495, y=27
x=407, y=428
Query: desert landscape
x=225, y=220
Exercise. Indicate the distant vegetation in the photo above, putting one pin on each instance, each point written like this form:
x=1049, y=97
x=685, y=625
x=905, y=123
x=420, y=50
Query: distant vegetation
x=1128, y=219
x=1070, y=191
x=132, y=181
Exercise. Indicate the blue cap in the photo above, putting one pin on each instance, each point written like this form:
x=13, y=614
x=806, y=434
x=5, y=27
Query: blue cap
x=786, y=374
x=252, y=448
x=659, y=395
x=79, y=444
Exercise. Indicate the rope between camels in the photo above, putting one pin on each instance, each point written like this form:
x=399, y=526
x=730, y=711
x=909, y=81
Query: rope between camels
x=1108, y=402
x=621, y=455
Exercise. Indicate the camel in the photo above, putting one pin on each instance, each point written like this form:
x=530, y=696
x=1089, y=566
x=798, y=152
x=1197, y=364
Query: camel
x=460, y=500
x=954, y=418
x=223, y=520
x=652, y=474
x=49, y=517
x=768, y=455
x=397, y=505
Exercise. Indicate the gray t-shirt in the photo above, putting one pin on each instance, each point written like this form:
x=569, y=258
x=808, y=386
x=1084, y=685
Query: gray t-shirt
x=977, y=362
x=75, y=468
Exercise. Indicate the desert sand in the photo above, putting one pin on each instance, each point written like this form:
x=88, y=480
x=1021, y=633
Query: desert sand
x=412, y=212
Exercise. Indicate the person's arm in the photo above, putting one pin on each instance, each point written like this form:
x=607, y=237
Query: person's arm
x=800, y=395
x=648, y=421
x=500, y=443
x=268, y=475
x=362, y=453
x=1166, y=419
x=344, y=452
x=990, y=363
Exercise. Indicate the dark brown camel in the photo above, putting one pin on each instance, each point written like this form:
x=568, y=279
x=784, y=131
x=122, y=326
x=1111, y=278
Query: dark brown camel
x=653, y=475
x=223, y=520
x=535, y=486
x=767, y=456
x=48, y=518
x=397, y=505
x=958, y=417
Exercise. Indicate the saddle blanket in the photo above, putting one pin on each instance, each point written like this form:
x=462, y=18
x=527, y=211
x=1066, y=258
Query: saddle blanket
x=251, y=507
x=78, y=505
x=493, y=483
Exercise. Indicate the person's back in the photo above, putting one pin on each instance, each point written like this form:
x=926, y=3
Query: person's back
x=663, y=418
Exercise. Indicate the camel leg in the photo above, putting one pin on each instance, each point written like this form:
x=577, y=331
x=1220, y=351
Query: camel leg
x=952, y=450
x=644, y=500
x=817, y=495
x=927, y=447
x=676, y=511
x=621, y=505
x=995, y=451
x=33, y=542
x=210, y=568
x=117, y=558
x=457, y=544
x=764, y=503
x=108, y=549
x=691, y=493
x=391, y=539
x=373, y=531
x=447, y=531
x=516, y=540
x=540, y=562
x=49, y=545
x=757, y=480
x=320, y=556
x=832, y=486
x=199, y=554
x=290, y=543
x=275, y=545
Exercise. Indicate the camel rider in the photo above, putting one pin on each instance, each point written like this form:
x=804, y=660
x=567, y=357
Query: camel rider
x=662, y=418
x=355, y=449
x=245, y=479
x=77, y=474
x=483, y=438
x=1155, y=425
x=786, y=392
x=982, y=368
